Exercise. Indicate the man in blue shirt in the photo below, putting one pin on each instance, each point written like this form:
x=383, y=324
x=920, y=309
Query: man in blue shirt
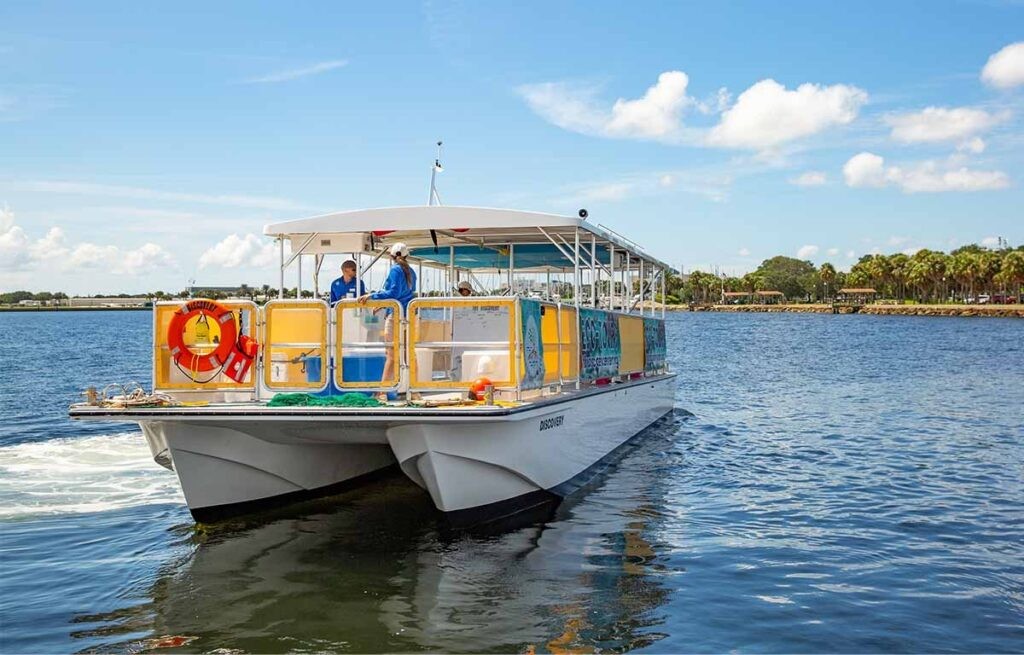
x=345, y=286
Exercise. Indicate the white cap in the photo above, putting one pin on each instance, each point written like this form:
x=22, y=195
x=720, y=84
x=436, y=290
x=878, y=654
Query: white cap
x=465, y=285
x=399, y=250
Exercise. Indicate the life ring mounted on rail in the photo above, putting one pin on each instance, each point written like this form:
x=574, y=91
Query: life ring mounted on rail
x=233, y=354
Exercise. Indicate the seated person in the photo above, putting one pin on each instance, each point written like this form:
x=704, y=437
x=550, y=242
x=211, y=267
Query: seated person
x=345, y=286
x=465, y=289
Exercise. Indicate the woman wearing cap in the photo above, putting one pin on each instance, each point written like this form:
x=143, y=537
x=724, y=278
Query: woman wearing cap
x=400, y=285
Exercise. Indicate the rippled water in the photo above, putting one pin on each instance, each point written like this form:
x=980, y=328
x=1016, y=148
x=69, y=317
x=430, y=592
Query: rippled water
x=827, y=483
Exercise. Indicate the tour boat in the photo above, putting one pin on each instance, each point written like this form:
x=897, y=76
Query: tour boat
x=496, y=402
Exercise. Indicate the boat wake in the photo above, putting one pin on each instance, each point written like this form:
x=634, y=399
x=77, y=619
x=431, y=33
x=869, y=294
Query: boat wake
x=82, y=475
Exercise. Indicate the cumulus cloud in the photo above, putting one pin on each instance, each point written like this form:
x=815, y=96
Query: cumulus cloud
x=744, y=252
x=1005, y=69
x=767, y=114
x=657, y=115
x=810, y=178
x=934, y=124
x=237, y=251
x=869, y=170
x=832, y=252
x=14, y=242
x=974, y=146
x=806, y=252
x=18, y=252
x=764, y=116
x=865, y=170
x=990, y=242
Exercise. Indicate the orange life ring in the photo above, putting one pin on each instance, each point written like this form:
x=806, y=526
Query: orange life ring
x=185, y=357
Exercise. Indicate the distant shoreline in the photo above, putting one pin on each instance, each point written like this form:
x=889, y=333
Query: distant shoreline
x=966, y=311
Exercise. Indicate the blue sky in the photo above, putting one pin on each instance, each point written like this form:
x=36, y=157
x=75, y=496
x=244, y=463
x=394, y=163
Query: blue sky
x=141, y=146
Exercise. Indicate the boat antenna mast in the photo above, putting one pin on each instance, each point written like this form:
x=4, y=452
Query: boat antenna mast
x=437, y=168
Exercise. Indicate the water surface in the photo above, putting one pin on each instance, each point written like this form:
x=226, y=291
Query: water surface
x=826, y=483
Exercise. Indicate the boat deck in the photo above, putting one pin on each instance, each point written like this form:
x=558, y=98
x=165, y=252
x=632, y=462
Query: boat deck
x=390, y=411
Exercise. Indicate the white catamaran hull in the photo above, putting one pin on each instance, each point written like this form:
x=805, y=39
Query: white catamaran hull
x=478, y=471
x=476, y=465
x=229, y=469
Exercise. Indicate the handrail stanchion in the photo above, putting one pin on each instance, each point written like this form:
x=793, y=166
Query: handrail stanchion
x=576, y=296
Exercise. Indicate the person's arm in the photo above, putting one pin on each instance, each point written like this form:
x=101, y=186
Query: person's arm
x=334, y=293
x=362, y=289
x=390, y=289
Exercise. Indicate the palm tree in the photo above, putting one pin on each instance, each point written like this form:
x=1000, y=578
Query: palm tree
x=1012, y=270
x=898, y=271
x=827, y=272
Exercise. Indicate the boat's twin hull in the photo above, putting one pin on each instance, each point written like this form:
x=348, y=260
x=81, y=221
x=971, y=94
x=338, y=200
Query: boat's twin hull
x=473, y=468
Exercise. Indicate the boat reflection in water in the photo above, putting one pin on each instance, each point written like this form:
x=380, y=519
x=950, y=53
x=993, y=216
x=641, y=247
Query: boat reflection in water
x=378, y=572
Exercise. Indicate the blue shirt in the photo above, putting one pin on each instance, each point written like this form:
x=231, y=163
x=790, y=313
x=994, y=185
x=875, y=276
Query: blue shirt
x=396, y=287
x=342, y=289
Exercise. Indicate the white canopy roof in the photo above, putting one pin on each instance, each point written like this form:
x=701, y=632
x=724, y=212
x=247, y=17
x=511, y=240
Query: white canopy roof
x=452, y=225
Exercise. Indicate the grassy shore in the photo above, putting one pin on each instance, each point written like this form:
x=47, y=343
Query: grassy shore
x=1003, y=311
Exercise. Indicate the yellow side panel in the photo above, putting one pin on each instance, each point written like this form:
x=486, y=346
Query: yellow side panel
x=631, y=336
x=296, y=345
x=570, y=364
x=549, y=335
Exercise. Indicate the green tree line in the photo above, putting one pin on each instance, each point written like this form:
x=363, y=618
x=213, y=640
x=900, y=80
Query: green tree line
x=962, y=275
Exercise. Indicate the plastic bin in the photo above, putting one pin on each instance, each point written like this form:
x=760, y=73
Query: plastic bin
x=360, y=365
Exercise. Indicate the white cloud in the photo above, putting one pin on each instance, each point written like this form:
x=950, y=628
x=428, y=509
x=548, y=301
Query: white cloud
x=850, y=254
x=51, y=246
x=974, y=146
x=19, y=253
x=147, y=257
x=14, y=243
x=1005, y=69
x=832, y=252
x=767, y=114
x=930, y=176
x=865, y=170
x=744, y=252
x=897, y=241
x=806, y=252
x=810, y=178
x=990, y=242
x=667, y=180
x=139, y=193
x=764, y=116
x=296, y=73
x=934, y=124
x=657, y=115
x=234, y=251
x=913, y=250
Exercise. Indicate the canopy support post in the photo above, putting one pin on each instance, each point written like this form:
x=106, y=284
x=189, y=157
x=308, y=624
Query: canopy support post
x=576, y=299
x=593, y=270
x=627, y=285
x=298, y=286
x=451, y=271
x=611, y=277
x=663, y=275
x=280, y=287
x=511, y=267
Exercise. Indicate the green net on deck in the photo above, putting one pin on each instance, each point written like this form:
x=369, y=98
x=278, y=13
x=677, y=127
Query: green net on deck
x=307, y=400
